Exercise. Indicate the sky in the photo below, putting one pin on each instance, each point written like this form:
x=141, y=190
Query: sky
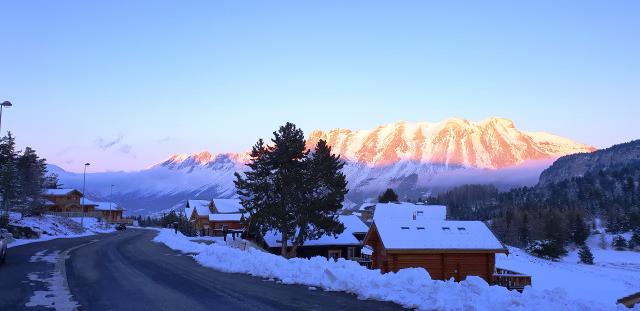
x=126, y=84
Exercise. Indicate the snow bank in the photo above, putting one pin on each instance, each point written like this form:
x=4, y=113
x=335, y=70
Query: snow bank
x=54, y=227
x=411, y=288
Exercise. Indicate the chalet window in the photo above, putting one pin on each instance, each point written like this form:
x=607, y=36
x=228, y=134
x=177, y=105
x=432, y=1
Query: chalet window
x=420, y=213
x=446, y=229
x=462, y=229
x=351, y=252
x=404, y=228
x=420, y=228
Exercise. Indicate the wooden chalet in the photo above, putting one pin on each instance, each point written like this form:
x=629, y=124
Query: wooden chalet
x=347, y=245
x=405, y=236
x=69, y=203
x=214, y=217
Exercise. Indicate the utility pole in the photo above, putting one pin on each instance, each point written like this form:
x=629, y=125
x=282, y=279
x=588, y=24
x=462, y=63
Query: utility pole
x=84, y=183
x=7, y=104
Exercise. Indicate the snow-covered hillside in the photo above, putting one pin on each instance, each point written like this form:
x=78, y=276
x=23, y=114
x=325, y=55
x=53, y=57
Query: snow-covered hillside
x=53, y=227
x=615, y=274
x=414, y=158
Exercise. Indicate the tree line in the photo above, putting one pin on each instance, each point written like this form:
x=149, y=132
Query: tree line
x=547, y=218
x=23, y=179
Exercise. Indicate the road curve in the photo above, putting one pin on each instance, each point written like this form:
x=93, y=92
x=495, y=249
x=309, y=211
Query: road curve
x=127, y=271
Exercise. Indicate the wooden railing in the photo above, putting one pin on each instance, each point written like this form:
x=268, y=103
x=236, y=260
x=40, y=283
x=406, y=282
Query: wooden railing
x=75, y=214
x=511, y=279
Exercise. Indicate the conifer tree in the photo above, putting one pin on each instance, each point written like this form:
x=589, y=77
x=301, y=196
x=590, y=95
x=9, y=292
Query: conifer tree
x=580, y=230
x=32, y=176
x=585, y=254
x=388, y=196
x=619, y=243
x=9, y=181
x=289, y=190
x=634, y=242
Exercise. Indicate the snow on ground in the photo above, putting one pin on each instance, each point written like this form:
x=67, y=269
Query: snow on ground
x=615, y=274
x=54, y=227
x=57, y=294
x=411, y=288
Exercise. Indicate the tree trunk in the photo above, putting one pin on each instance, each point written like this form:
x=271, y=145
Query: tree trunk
x=296, y=243
x=283, y=249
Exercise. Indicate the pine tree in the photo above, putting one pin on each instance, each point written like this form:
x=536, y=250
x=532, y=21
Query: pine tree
x=9, y=181
x=292, y=191
x=619, y=243
x=634, y=242
x=32, y=173
x=524, y=231
x=580, y=230
x=325, y=191
x=585, y=254
x=388, y=196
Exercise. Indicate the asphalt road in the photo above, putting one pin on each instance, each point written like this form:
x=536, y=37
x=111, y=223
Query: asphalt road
x=127, y=271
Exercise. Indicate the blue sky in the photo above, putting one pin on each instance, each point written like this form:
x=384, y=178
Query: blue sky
x=124, y=84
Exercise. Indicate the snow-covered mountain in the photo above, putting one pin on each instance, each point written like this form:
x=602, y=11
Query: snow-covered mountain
x=414, y=158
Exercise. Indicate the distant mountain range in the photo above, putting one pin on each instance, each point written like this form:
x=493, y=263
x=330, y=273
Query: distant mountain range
x=415, y=158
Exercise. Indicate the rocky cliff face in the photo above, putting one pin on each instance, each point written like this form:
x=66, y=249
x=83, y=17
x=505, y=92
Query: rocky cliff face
x=493, y=143
x=577, y=165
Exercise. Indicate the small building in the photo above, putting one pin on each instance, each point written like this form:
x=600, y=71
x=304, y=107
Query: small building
x=111, y=212
x=446, y=249
x=67, y=202
x=346, y=245
x=197, y=211
x=215, y=216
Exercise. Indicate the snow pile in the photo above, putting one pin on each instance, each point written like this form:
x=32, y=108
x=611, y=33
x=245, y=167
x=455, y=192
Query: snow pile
x=412, y=288
x=52, y=227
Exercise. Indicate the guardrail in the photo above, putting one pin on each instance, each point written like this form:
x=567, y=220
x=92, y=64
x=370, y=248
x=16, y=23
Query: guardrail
x=511, y=279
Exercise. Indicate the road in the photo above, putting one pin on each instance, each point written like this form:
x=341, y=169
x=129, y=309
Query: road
x=127, y=271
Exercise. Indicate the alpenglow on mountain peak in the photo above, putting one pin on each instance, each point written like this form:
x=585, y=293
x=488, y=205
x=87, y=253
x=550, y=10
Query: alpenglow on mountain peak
x=492, y=143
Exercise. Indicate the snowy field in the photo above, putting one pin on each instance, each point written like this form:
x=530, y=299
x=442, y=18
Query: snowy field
x=411, y=288
x=615, y=274
x=53, y=227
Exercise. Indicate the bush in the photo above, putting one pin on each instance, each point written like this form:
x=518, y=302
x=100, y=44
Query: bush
x=619, y=243
x=585, y=254
x=634, y=243
x=547, y=249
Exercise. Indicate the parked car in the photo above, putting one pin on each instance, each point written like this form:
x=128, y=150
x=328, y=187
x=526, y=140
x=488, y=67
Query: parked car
x=121, y=227
x=4, y=240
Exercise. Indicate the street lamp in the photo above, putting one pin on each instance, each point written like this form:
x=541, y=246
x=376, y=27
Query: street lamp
x=7, y=104
x=84, y=182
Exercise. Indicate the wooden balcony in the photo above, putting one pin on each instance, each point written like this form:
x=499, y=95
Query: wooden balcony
x=511, y=279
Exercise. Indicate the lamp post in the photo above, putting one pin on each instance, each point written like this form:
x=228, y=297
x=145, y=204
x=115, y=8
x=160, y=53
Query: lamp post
x=110, y=202
x=7, y=104
x=84, y=182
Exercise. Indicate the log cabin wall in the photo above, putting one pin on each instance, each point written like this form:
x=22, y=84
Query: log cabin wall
x=444, y=266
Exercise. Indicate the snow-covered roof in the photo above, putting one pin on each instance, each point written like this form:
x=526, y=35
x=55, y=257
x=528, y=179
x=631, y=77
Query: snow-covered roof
x=60, y=192
x=201, y=207
x=103, y=206
x=352, y=224
x=225, y=217
x=227, y=205
x=407, y=211
x=188, y=211
x=436, y=235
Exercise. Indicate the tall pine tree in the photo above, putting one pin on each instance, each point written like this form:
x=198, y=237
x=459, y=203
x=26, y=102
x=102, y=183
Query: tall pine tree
x=9, y=180
x=289, y=190
x=32, y=172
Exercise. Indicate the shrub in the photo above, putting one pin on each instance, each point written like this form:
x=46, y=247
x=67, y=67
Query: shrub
x=585, y=254
x=548, y=249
